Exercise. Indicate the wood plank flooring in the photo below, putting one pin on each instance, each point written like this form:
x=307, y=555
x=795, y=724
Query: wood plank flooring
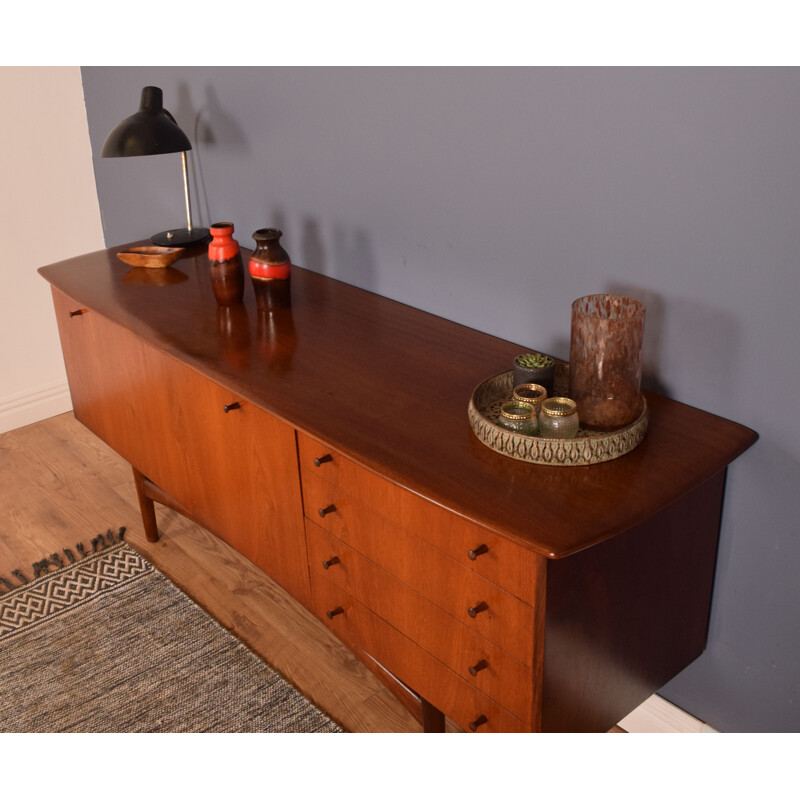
x=60, y=485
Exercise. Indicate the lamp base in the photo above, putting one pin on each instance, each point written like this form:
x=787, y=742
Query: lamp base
x=181, y=237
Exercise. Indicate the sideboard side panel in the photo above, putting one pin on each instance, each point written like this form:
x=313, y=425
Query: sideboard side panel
x=625, y=616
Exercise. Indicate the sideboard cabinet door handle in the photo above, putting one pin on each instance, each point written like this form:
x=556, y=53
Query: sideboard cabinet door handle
x=330, y=562
x=231, y=407
x=334, y=612
x=77, y=312
x=475, y=610
x=482, y=720
x=318, y=462
x=476, y=668
x=478, y=551
x=327, y=510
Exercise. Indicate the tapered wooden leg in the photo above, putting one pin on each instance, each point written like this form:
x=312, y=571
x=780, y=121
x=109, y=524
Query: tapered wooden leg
x=147, y=508
x=432, y=718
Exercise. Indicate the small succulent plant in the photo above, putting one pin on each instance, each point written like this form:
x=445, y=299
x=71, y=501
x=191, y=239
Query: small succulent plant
x=534, y=360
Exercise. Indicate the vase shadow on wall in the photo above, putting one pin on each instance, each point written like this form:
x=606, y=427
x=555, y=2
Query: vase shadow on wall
x=353, y=258
x=681, y=331
x=311, y=246
x=653, y=335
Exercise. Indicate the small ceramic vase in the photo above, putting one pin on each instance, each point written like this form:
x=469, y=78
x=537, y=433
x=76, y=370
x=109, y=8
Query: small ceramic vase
x=227, y=271
x=270, y=270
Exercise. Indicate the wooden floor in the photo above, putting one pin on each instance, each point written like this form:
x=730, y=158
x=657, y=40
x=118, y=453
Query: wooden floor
x=60, y=485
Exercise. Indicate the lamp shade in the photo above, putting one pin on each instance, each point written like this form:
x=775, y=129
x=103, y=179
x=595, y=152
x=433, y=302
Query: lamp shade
x=148, y=132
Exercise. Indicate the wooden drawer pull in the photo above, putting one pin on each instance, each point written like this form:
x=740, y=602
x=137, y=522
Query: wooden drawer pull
x=478, y=551
x=475, y=610
x=77, y=313
x=330, y=562
x=231, y=407
x=327, y=510
x=482, y=720
x=318, y=462
x=476, y=668
x=334, y=612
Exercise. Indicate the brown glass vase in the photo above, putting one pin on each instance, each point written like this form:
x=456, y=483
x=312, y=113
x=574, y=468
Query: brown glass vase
x=270, y=270
x=227, y=270
x=605, y=360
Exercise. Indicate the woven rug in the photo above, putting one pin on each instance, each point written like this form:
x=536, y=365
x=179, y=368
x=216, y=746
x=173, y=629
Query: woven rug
x=105, y=643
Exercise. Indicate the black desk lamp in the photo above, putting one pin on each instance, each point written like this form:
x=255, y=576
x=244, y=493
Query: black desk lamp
x=148, y=132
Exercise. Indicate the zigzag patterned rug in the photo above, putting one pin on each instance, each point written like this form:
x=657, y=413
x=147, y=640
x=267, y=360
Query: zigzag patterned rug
x=105, y=643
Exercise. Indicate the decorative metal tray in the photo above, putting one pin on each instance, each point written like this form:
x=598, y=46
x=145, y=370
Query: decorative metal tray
x=588, y=447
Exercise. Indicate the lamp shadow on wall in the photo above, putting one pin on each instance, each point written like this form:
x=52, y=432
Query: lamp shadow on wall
x=210, y=126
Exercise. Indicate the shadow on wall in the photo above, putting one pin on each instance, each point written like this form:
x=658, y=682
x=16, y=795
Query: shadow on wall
x=311, y=246
x=687, y=339
x=207, y=127
x=353, y=257
x=651, y=347
x=653, y=335
x=683, y=338
x=350, y=258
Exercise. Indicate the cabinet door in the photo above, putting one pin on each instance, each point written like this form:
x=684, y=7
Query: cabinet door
x=235, y=470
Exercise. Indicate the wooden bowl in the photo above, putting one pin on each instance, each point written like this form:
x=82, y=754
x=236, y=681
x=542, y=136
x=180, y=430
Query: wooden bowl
x=150, y=257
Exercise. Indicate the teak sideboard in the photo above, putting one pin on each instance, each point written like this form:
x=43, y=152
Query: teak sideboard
x=329, y=443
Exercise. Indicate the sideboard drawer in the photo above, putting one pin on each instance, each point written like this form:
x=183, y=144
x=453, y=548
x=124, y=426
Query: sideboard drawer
x=361, y=629
x=514, y=568
x=478, y=661
x=504, y=620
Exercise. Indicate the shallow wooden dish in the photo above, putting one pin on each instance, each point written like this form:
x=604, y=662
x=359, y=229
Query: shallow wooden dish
x=151, y=257
x=588, y=447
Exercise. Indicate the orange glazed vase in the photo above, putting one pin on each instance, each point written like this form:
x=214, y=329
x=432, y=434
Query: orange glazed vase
x=227, y=271
x=270, y=270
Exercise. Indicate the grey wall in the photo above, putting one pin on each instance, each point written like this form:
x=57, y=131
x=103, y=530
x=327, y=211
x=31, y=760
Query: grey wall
x=495, y=197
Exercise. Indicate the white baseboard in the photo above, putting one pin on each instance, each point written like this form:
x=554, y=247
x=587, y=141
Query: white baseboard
x=34, y=405
x=657, y=715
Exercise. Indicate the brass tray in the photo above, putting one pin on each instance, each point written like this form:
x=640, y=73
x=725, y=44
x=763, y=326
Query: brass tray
x=588, y=447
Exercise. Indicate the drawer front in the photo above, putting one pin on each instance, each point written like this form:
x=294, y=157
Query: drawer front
x=493, y=671
x=514, y=568
x=361, y=629
x=504, y=620
x=236, y=470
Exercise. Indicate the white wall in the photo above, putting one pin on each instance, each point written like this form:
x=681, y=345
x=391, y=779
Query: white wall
x=49, y=212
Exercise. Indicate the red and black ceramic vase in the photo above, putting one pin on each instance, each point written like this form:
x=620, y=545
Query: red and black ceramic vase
x=227, y=271
x=270, y=270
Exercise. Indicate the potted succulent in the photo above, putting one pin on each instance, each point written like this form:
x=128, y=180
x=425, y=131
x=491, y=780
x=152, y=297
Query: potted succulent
x=535, y=368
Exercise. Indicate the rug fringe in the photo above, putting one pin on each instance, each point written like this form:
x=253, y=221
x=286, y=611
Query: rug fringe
x=57, y=560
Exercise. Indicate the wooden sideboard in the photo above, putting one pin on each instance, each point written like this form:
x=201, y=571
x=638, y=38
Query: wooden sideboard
x=329, y=443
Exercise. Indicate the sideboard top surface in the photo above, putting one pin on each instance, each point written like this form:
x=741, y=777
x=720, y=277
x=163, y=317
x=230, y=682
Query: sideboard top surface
x=389, y=385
